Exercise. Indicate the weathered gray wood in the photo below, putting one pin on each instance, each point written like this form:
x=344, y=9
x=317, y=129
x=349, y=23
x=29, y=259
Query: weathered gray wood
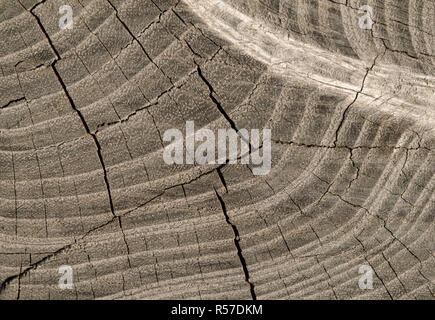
x=83, y=181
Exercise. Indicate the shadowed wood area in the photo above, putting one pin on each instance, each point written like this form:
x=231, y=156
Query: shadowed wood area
x=83, y=182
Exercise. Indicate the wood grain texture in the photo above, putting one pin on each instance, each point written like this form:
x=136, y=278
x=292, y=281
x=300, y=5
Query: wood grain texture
x=83, y=181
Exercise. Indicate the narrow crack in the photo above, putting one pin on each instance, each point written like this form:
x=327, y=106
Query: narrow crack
x=343, y=117
x=320, y=146
x=221, y=109
x=71, y=102
x=99, y=153
x=380, y=279
x=13, y=102
x=354, y=166
x=221, y=177
x=138, y=42
x=125, y=241
x=52, y=47
x=237, y=244
x=19, y=280
x=88, y=131
x=329, y=276
x=394, y=271
x=384, y=221
x=33, y=266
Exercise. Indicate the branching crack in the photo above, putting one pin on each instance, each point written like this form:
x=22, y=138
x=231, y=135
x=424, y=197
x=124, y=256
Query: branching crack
x=137, y=40
x=395, y=273
x=33, y=266
x=343, y=117
x=73, y=106
x=85, y=125
x=99, y=153
x=384, y=221
x=380, y=279
x=221, y=177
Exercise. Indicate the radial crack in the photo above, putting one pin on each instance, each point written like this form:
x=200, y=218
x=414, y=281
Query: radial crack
x=237, y=244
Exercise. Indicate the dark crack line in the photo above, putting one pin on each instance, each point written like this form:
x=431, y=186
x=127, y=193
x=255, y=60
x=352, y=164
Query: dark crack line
x=12, y=102
x=88, y=131
x=33, y=266
x=354, y=166
x=19, y=279
x=327, y=273
x=65, y=91
x=212, y=93
x=317, y=236
x=154, y=102
x=221, y=109
x=77, y=111
x=53, y=48
x=343, y=117
x=396, y=51
x=237, y=244
x=221, y=177
x=138, y=42
x=380, y=279
x=97, y=143
x=215, y=101
x=125, y=241
x=306, y=145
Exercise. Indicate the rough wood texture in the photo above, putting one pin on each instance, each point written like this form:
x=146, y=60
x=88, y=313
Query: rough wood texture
x=83, y=182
